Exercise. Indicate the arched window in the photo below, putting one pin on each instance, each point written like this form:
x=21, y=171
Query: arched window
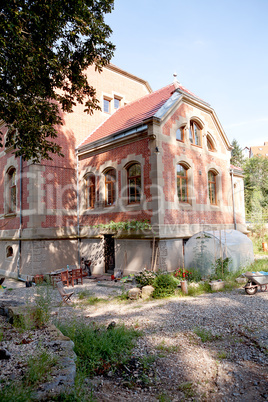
x=110, y=193
x=212, y=188
x=90, y=191
x=195, y=134
x=11, y=191
x=210, y=144
x=180, y=134
x=134, y=183
x=182, y=183
x=9, y=252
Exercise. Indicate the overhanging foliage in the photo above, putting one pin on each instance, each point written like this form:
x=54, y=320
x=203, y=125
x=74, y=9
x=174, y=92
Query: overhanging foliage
x=45, y=47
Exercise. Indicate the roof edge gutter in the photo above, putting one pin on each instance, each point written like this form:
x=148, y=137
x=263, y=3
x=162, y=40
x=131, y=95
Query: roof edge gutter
x=111, y=139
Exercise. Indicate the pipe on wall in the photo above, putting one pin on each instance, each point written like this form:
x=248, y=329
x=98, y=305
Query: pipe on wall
x=234, y=214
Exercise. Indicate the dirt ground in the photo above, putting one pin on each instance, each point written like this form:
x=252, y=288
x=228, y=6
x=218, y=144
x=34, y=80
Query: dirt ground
x=212, y=347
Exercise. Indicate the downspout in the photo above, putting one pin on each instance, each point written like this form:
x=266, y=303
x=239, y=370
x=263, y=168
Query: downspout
x=20, y=228
x=78, y=210
x=232, y=177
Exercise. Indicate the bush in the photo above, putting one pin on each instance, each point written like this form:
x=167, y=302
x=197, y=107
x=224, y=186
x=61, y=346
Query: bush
x=145, y=277
x=164, y=285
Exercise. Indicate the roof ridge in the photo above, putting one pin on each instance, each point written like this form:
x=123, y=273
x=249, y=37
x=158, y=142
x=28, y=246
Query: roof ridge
x=146, y=96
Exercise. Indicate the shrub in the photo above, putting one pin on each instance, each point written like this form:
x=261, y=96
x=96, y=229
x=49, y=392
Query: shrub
x=145, y=277
x=221, y=268
x=164, y=285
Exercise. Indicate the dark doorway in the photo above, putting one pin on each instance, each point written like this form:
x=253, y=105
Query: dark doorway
x=109, y=254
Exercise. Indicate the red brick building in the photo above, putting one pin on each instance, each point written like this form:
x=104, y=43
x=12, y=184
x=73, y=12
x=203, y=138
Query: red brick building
x=157, y=156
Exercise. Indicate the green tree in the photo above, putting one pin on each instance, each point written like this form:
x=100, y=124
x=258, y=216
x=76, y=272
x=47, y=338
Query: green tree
x=45, y=47
x=256, y=187
x=236, y=154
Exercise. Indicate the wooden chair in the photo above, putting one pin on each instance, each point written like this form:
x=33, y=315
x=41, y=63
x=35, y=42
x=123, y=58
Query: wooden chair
x=77, y=275
x=64, y=295
x=65, y=277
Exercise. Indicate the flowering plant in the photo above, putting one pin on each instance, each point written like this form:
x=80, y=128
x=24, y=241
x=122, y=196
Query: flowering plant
x=183, y=275
x=145, y=277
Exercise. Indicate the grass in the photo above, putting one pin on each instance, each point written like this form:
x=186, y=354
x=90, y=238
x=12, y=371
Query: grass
x=187, y=389
x=205, y=335
x=99, y=349
x=38, y=369
x=167, y=348
x=89, y=298
x=222, y=355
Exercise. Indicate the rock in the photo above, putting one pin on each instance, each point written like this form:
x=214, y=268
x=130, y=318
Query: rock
x=134, y=293
x=4, y=354
x=111, y=325
x=147, y=291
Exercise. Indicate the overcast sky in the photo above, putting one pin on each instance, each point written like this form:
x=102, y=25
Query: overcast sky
x=218, y=48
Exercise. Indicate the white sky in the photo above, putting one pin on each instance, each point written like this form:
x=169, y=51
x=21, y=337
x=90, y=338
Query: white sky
x=217, y=47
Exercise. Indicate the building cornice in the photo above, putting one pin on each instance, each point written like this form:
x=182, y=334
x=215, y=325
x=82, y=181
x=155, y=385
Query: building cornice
x=118, y=70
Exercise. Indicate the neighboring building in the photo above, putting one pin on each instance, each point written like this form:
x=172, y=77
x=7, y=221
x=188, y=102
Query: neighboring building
x=159, y=156
x=261, y=150
x=246, y=152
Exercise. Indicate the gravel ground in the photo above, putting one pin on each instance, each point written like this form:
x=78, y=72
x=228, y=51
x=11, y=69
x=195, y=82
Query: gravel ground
x=170, y=361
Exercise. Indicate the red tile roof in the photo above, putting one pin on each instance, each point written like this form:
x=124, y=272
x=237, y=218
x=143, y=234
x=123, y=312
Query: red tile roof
x=134, y=113
x=236, y=167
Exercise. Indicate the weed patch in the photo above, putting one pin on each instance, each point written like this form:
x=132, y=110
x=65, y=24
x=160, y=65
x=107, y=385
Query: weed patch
x=99, y=349
x=167, y=348
x=206, y=335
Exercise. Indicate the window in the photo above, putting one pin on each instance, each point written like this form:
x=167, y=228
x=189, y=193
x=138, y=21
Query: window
x=180, y=134
x=182, y=188
x=11, y=191
x=110, y=180
x=106, y=105
x=9, y=252
x=90, y=191
x=212, y=187
x=134, y=183
x=116, y=103
x=195, y=134
x=210, y=144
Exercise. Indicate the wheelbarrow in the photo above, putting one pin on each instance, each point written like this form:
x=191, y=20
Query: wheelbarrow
x=256, y=280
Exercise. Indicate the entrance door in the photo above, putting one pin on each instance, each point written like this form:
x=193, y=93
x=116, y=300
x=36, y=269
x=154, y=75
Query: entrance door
x=109, y=254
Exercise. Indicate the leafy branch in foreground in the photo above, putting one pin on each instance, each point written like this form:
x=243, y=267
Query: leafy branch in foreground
x=45, y=47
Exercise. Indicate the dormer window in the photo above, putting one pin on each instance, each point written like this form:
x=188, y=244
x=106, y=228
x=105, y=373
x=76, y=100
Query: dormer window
x=117, y=103
x=106, y=105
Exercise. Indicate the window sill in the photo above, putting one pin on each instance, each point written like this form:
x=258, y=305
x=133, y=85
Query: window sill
x=10, y=215
x=184, y=205
x=216, y=206
x=197, y=146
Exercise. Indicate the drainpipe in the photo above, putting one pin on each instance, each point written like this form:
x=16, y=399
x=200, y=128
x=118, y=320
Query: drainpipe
x=78, y=209
x=20, y=229
x=232, y=177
